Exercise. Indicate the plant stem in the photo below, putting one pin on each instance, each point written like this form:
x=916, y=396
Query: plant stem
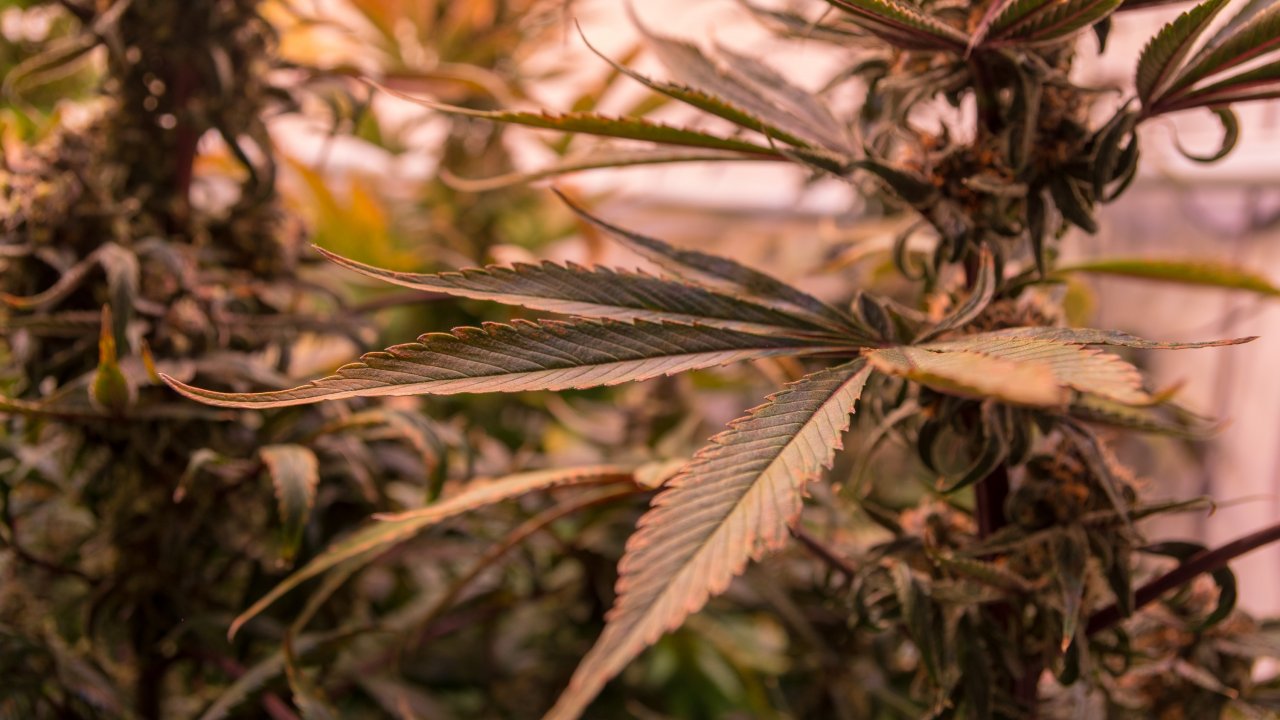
x=1196, y=565
x=824, y=553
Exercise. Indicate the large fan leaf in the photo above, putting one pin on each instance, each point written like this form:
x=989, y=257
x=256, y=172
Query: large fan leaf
x=1165, y=52
x=594, y=124
x=596, y=292
x=903, y=25
x=724, y=274
x=973, y=374
x=1080, y=368
x=734, y=501
x=546, y=355
x=393, y=530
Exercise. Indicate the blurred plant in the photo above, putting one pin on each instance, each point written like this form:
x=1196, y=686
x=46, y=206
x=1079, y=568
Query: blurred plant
x=1018, y=576
x=133, y=526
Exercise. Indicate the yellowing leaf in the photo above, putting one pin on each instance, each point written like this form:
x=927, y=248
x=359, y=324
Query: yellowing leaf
x=1207, y=273
x=395, y=529
x=972, y=374
x=734, y=502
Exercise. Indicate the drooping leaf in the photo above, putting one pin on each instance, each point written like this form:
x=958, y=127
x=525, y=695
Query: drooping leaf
x=543, y=355
x=1223, y=576
x=984, y=289
x=604, y=126
x=1230, y=136
x=119, y=264
x=1071, y=554
x=596, y=292
x=394, y=529
x=722, y=273
x=1080, y=368
x=1165, y=52
x=595, y=158
x=294, y=472
x=731, y=504
x=973, y=374
x=1206, y=273
x=905, y=26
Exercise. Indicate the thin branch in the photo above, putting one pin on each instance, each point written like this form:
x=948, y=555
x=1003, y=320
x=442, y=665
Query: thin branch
x=1196, y=565
x=824, y=553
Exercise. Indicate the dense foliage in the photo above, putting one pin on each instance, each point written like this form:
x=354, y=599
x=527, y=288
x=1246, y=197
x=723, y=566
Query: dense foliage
x=1013, y=581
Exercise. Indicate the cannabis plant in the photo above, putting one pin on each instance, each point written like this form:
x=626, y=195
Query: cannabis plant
x=1021, y=575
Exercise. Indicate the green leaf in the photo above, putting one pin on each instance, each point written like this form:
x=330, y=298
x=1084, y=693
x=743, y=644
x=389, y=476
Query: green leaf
x=973, y=374
x=903, y=25
x=596, y=292
x=1165, y=52
x=1206, y=273
x=734, y=502
x=1255, y=38
x=362, y=545
x=601, y=156
x=543, y=355
x=1166, y=420
x=594, y=124
x=1037, y=21
x=294, y=472
x=723, y=274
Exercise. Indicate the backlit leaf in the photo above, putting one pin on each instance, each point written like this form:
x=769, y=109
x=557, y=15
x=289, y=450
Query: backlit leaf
x=595, y=292
x=543, y=355
x=395, y=529
x=733, y=503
